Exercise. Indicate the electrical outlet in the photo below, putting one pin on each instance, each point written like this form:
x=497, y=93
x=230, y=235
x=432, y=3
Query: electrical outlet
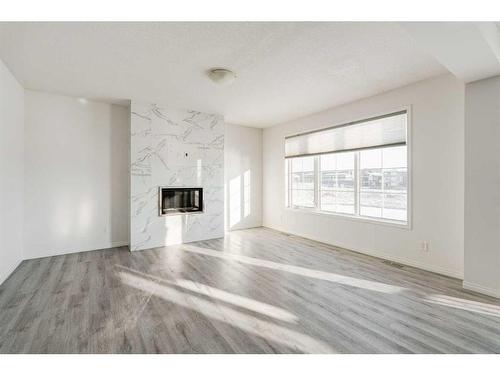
x=424, y=246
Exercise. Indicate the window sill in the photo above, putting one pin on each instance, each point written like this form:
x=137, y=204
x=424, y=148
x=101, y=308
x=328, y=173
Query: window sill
x=359, y=219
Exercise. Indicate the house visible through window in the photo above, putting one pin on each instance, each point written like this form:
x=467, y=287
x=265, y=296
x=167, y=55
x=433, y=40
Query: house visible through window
x=302, y=181
x=337, y=187
x=359, y=169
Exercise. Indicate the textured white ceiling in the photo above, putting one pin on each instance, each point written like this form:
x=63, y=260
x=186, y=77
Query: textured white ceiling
x=285, y=70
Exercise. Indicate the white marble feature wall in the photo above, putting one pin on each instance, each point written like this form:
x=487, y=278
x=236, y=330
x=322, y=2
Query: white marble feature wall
x=174, y=148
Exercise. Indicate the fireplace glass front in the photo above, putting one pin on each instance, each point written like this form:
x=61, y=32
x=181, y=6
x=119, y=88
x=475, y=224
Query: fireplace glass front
x=175, y=200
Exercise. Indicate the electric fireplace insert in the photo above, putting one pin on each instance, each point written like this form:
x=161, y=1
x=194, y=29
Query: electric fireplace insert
x=175, y=200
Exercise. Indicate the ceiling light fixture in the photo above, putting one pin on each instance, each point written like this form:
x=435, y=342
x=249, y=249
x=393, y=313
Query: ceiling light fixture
x=221, y=76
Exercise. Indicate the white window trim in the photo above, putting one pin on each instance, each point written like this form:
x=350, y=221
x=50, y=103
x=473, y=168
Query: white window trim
x=393, y=223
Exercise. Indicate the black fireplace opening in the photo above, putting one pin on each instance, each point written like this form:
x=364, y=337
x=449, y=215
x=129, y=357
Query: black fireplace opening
x=180, y=200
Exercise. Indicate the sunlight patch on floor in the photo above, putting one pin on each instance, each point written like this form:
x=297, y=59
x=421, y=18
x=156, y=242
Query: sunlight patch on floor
x=221, y=295
x=234, y=299
x=297, y=270
x=464, y=304
x=258, y=327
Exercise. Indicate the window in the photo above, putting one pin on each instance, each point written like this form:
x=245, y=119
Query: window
x=337, y=174
x=383, y=183
x=302, y=181
x=369, y=181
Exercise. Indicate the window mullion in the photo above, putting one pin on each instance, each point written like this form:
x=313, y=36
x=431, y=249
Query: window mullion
x=383, y=185
x=317, y=195
x=289, y=182
x=356, y=184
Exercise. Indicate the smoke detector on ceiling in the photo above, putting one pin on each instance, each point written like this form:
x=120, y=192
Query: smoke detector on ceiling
x=221, y=76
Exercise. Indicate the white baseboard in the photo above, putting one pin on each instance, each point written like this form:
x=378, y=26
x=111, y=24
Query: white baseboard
x=9, y=271
x=227, y=230
x=155, y=246
x=119, y=243
x=481, y=289
x=102, y=246
x=377, y=254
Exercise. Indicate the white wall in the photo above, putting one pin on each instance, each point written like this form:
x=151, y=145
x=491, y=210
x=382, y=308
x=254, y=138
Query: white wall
x=11, y=176
x=243, y=177
x=437, y=120
x=482, y=186
x=76, y=175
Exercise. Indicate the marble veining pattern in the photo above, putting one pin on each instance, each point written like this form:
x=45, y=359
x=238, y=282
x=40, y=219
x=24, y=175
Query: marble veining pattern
x=172, y=147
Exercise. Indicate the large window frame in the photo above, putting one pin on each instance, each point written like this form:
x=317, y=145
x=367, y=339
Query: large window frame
x=316, y=209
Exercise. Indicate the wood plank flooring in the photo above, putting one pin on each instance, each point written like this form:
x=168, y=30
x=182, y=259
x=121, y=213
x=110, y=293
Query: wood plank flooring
x=255, y=291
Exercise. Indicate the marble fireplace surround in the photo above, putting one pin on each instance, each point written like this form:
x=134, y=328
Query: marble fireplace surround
x=174, y=148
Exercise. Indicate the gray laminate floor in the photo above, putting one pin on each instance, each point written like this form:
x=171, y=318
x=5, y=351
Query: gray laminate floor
x=256, y=291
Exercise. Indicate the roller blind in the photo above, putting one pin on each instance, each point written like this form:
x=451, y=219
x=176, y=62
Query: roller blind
x=386, y=130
